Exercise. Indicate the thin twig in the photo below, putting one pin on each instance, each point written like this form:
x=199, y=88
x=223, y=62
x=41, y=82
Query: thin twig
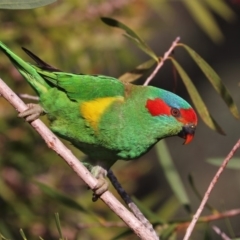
x=127, y=199
x=166, y=55
x=54, y=143
x=209, y=190
x=209, y=218
x=221, y=233
x=28, y=96
x=179, y=226
x=217, y=216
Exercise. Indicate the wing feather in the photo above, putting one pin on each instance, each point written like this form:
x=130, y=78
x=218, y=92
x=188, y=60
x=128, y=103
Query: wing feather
x=78, y=87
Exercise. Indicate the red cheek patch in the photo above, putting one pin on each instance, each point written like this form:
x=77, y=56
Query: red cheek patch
x=157, y=107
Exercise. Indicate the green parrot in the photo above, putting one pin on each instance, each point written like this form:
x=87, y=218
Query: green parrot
x=103, y=117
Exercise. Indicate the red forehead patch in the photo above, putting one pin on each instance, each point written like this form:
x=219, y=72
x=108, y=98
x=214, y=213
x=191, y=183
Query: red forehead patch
x=157, y=107
x=188, y=116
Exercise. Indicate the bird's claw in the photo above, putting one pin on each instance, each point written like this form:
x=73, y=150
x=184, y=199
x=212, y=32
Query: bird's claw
x=33, y=112
x=100, y=188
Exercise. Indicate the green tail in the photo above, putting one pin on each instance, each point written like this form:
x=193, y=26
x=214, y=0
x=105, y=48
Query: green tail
x=28, y=71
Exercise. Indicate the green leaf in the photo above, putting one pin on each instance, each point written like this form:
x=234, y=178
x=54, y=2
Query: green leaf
x=199, y=196
x=234, y=163
x=172, y=175
x=5, y=231
x=123, y=234
x=165, y=11
x=59, y=197
x=197, y=100
x=207, y=232
x=137, y=72
x=23, y=234
x=130, y=34
x=8, y=195
x=214, y=79
x=168, y=232
x=24, y=4
x=204, y=18
x=169, y=208
x=59, y=228
x=222, y=9
x=153, y=217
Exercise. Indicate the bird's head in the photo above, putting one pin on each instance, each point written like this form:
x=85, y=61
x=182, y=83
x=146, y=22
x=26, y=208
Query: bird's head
x=174, y=113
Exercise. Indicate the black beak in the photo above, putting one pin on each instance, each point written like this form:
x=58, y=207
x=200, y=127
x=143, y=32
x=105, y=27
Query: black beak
x=187, y=133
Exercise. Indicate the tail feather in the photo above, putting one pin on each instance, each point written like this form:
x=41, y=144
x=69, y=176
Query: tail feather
x=28, y=71
x=40, y=63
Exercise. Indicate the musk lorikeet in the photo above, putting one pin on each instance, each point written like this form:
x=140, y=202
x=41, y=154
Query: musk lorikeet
x=102, y=116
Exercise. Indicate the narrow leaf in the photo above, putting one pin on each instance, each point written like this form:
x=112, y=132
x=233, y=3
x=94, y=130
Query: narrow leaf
x=59, y=197
x=5, y=230
x=199, y=196
x=165, y=11
x=222, y=9
x=153, y=217
x=214, y=79
x=130, y=34
x=204, y=19
x=123, y=234
x=233, y=164
x=143, y=46
x=168, y=208
x=24, y=4
x=168, y=231
x=137, y=72
x=207, y=232
x=197, y=100
x=23, y=234
x=172, y=175
x=59, y=228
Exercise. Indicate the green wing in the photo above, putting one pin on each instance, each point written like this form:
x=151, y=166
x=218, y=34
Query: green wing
x=80, y=87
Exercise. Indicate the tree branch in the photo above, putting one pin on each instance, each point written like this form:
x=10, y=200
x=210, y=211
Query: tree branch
x=127, y=199
x=54, y=143
x=160, y=64
x=220, y=233
x=209, y=218
x=179, y=225
x=209, y=190
x=28, y=96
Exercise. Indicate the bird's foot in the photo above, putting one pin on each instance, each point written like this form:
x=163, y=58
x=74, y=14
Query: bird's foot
x=102, y=185
x=100, y=188
x=33, y=112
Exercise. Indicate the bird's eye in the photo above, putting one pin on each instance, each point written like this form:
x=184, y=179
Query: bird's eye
x=175, y=112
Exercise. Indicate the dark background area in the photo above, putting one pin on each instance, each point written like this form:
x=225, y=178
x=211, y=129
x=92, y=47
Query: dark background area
x=69, y=35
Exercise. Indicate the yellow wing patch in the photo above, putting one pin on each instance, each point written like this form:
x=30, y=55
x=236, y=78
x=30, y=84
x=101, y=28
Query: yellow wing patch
x=93, y=110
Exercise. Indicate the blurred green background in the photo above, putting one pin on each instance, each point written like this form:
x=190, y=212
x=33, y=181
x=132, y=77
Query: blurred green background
x=70, y=36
